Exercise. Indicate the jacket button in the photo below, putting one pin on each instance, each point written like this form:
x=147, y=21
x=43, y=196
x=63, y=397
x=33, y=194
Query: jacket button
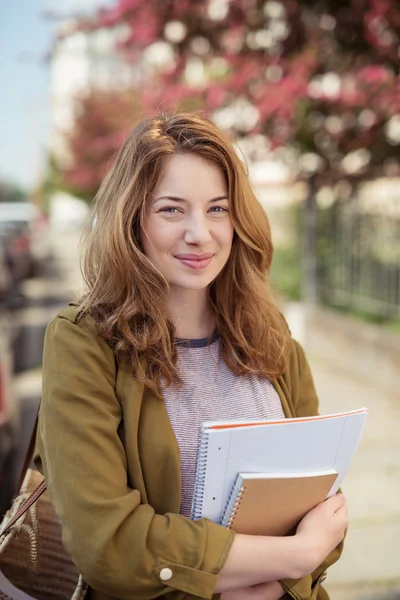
x=165, y=574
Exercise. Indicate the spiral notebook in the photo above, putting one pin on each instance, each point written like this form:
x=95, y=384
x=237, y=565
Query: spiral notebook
x=263, y=504
x=303, y=445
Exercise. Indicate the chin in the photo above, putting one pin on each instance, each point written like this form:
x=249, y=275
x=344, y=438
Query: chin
x=199, y=283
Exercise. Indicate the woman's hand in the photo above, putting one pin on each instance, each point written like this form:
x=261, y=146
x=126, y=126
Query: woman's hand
x=272, y=590
x=256, y=559
x=321, y=530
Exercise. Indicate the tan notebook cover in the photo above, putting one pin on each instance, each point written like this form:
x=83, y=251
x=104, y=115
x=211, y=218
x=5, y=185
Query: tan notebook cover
x=274, y=506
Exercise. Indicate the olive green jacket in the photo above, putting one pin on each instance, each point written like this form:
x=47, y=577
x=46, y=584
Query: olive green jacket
x=111, y=462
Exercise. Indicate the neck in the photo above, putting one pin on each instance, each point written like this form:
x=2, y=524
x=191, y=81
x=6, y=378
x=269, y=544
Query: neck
x=191, y=313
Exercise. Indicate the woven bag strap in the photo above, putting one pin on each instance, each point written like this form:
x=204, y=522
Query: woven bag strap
x=39, y=490
x=41, y=487
x=29, y=453
x=25, y=506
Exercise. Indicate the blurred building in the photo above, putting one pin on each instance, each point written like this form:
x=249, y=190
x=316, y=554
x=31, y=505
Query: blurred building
x=82, y=61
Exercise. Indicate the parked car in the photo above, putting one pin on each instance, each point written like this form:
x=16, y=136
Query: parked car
x=25, y=236
x=14, y=239
x=5, y=278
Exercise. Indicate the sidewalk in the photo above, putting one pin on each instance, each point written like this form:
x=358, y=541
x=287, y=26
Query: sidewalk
x=370, y=564
x=357, y=365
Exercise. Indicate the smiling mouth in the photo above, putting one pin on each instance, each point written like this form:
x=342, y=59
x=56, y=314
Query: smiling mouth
x=196, y=262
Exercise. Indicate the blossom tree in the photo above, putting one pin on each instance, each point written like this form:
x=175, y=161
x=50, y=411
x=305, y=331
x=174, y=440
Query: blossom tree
x=317, y=76
x=101, y=124
x=314, y=82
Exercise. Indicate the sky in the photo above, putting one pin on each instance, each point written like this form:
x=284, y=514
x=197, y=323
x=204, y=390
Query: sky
x=25, y=38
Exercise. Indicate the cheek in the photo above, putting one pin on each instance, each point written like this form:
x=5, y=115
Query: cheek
x=226, y=237
x=157, y=237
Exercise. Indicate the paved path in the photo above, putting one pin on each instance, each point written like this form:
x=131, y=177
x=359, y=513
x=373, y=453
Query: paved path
x=370, y=565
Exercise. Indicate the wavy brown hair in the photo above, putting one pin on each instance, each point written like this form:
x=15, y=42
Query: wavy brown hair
x=127, y=295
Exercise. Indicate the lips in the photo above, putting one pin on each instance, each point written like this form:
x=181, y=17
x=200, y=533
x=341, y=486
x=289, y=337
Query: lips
x=193, y=256
x=195, y=261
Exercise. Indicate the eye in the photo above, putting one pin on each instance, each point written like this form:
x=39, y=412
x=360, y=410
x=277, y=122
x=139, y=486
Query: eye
x=169, y=209
x=218, y=209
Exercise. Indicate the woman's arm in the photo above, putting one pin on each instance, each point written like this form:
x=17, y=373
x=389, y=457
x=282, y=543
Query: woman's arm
x=258, y=559
x=272, y=590
x=119, y=544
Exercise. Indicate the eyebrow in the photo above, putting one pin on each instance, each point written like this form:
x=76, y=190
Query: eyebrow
x=177, y=199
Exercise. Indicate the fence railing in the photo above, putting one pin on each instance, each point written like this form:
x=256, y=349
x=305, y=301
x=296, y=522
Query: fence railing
x=358, y=256
x=357, y=248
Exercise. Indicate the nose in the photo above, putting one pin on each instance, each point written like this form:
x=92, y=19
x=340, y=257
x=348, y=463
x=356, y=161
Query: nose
x=197, y=230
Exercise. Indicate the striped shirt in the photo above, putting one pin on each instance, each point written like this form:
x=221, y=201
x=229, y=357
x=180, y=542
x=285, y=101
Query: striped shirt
x=211, y=392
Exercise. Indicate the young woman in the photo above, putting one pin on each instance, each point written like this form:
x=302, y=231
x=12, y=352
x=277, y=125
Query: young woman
x=178, y=326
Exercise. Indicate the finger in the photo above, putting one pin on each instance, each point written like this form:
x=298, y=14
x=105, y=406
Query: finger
x=342, y=505
x=337, y=501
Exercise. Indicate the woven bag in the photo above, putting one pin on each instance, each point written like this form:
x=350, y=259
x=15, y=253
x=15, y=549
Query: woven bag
x=32, y=557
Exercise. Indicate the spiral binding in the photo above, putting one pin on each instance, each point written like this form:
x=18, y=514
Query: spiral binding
x=235, y=506
x=199, y=482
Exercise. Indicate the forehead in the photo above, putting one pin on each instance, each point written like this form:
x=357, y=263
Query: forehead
x=186, y=174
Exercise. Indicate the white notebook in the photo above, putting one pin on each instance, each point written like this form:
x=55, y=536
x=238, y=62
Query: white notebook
x=302, y=445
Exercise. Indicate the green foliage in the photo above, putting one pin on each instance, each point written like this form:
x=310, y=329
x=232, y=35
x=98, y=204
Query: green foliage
x=286, y=272
x=55, y=181
x=10, y=192
x=286, y=269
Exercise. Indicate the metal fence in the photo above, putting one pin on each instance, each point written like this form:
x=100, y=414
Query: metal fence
x=358, y=255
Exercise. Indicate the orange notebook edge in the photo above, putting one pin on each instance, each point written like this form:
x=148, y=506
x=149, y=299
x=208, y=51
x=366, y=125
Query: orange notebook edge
x=282, y=421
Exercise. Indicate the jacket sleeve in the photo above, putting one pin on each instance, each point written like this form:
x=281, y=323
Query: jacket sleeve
x=305, y=402
x=119, y=545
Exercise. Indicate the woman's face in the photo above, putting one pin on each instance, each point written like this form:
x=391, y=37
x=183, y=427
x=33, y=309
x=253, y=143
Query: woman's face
x=187, y=231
